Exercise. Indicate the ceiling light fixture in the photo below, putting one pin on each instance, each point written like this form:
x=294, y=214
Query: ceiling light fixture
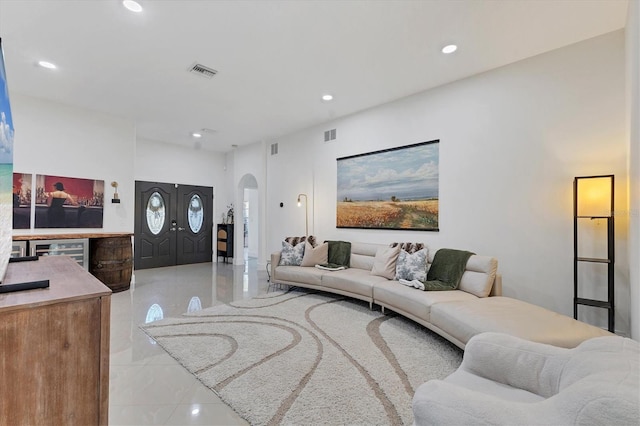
x=196, y=135
x=48, y=65
x=327, y=97
x=449, y=49
x=132, y=5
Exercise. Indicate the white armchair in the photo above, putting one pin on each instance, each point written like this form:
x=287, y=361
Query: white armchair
x=508, y=380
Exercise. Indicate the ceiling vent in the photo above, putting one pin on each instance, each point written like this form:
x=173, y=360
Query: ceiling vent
x=202, y=71
x=330, y=135
x=209, y=131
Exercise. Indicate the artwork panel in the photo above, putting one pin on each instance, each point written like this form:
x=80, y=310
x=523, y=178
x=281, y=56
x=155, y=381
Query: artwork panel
x=22, y=187
x=6, y=170
x=67, y=202
x=396, y=188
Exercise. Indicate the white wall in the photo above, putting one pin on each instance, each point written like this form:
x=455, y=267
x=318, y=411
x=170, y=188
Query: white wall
x=511, y=142
x=56, y=139
x=633, y=122
x=162, y=162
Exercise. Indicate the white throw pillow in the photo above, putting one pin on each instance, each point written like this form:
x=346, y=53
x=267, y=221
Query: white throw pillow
x=291, y=255
x=315, y=256
x=384, y=264
x=412, y=266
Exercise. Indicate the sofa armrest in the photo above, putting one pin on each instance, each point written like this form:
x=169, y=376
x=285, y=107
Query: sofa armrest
x=510, y=360
x=437, y=402
x=496, y=288
x=275, y=260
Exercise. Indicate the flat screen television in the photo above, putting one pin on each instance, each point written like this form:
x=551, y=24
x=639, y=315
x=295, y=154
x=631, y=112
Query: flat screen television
x=6, y=170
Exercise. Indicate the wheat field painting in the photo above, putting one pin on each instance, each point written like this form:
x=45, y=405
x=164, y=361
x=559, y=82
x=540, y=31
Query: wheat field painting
x=392, y=189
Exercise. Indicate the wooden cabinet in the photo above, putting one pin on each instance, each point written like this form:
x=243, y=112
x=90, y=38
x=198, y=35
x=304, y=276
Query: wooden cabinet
x=225, y=240
x=54, y=346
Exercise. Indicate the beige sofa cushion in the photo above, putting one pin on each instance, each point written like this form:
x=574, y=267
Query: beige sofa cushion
x=416, y=302
x=352, y=280
x=362, y=255
x=479, y=275
x=299, y=274
x=465, y=319
x=315, y=255
x=384, y=264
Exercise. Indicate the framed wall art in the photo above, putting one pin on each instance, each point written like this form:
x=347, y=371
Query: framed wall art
x=394, y=188
x=22, y=200
x=6, y=170
x=64, y=202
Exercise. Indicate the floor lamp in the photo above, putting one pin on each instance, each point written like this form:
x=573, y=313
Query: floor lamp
x=306, y=212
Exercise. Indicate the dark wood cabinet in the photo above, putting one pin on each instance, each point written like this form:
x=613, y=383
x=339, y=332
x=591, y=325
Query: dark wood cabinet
x=225, y=241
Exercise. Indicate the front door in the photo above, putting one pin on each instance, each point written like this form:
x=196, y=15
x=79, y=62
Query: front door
x=173, y=224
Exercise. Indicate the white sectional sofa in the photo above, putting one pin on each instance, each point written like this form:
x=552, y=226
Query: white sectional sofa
x=475, y=307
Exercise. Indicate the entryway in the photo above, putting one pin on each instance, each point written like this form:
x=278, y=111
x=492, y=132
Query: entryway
x=173, y=224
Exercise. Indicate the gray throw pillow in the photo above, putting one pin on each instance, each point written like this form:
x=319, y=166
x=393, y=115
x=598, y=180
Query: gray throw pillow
x=291, y=255
x=412, y=266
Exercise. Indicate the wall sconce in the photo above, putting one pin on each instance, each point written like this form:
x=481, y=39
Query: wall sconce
x=116, y=197
x=306, y=212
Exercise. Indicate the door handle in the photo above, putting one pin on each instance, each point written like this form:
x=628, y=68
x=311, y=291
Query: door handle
x=172, y=229
x=180, y=228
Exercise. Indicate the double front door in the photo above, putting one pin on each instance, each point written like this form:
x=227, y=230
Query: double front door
x=173, y=224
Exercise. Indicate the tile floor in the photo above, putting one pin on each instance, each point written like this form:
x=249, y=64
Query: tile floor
x=147, y=386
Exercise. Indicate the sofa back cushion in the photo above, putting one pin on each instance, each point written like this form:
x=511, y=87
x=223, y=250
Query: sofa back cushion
x=479, y=275
x=363, y=254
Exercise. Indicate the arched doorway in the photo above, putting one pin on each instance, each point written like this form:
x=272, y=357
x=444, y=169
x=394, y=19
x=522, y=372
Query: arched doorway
x=248, y=228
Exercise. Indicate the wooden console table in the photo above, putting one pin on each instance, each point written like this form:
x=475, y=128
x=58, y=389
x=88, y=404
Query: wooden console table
x=54, y=346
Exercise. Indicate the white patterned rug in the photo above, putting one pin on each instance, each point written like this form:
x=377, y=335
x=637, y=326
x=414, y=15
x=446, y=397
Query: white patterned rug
x=301, y=357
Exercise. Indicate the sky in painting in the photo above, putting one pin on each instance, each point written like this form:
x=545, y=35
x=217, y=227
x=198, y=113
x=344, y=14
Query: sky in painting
x=6, y=123
x=408, y=174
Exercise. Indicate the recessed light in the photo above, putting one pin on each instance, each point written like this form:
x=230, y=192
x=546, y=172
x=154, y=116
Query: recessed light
x=45, y=64
x=133, y=6
x=196, y=135
x=327, y=97
x=449, y=48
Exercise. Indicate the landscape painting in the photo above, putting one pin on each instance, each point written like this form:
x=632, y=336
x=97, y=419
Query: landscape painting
x=391, y=189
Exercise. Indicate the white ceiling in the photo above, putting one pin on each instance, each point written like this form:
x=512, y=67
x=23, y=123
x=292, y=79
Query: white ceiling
x=275, y=58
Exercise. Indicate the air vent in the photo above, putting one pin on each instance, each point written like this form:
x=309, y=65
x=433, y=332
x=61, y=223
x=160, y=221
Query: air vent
x=208, y=131
x=274, y=148
x=202, y=71
x=330, y=135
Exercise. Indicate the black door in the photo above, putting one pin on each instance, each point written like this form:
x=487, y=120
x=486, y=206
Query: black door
x=173, y=224
x=195, y=223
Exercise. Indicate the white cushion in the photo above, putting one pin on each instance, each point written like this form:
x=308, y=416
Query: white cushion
x=479, y=275
x=313, y=256
x=384, y=264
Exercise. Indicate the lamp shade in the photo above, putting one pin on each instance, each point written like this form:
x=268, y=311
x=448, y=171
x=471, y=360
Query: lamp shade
x=594, y=196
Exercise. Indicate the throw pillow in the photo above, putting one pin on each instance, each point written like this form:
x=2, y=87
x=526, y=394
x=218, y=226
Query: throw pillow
x=315, y=255
x=384, y=264
x=409, y=247
x=294, y=241
x=412, y=266
x=291, y=255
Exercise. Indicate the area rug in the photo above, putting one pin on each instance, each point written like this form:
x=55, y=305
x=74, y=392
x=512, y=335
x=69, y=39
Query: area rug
x=302, y=358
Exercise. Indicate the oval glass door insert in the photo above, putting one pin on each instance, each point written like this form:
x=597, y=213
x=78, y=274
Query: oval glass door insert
x=155, y=213
x=195, y=213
